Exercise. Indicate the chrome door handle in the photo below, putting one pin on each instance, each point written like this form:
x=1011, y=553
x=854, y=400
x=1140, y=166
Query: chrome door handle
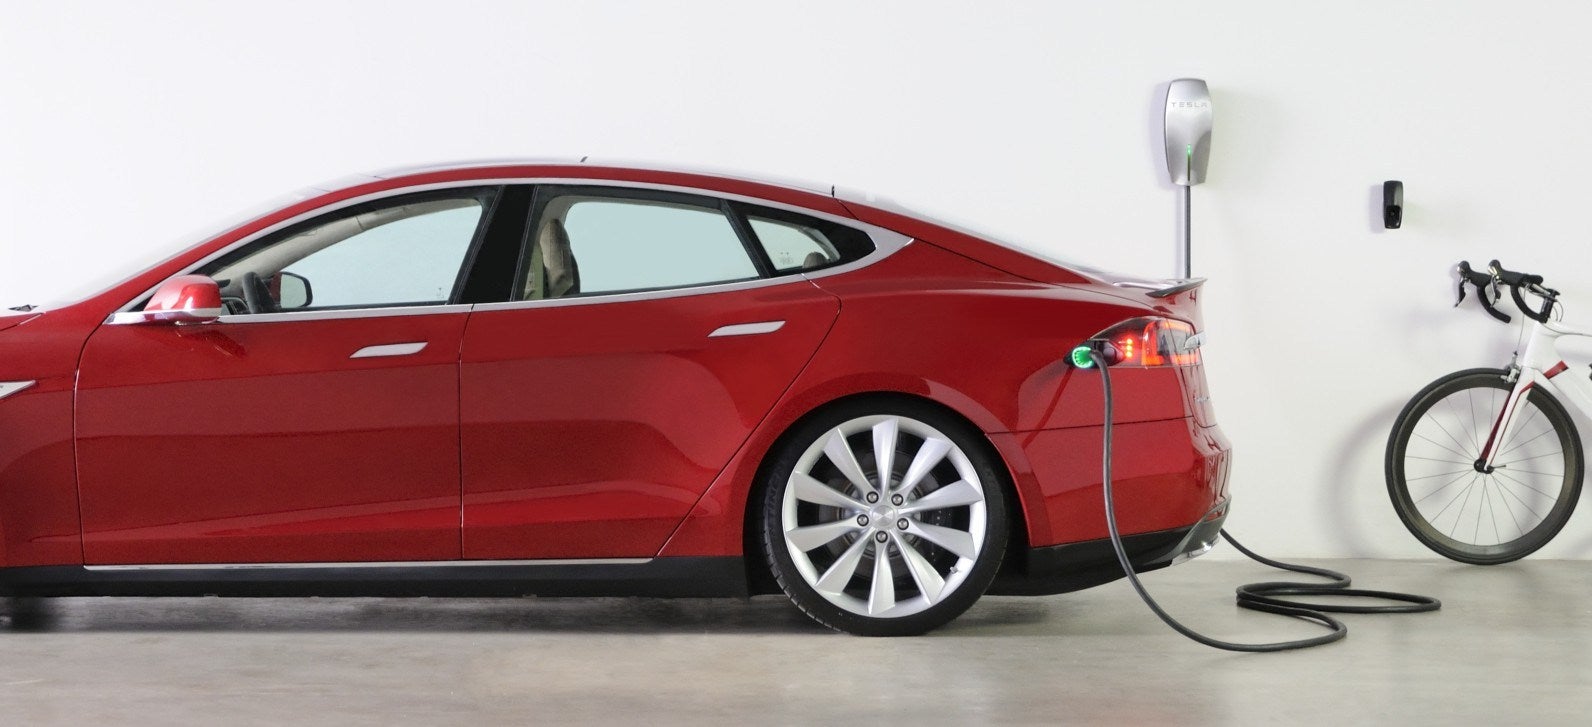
x=390, y=349
x=747, y=329
x=8, y=388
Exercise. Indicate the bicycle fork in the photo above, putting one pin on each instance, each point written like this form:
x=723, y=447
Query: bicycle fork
x=1506, y=422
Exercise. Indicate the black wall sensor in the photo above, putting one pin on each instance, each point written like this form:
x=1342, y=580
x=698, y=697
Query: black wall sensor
x=1392, y=204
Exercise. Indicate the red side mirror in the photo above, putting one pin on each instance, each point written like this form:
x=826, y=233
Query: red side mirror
x=183, y=299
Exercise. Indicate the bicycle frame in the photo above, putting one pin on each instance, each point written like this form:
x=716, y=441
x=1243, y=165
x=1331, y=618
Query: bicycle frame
x=1539, y=366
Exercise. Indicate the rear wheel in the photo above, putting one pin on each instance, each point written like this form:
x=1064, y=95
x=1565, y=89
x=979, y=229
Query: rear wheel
x=1470, y=513
x=884, y=519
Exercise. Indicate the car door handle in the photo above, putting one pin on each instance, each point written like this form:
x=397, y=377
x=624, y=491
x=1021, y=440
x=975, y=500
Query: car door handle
x=390, y=349
x=747, y=329
x=8, y=388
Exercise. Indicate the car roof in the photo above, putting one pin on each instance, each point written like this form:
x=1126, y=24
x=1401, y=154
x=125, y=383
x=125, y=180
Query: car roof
x=803, y=185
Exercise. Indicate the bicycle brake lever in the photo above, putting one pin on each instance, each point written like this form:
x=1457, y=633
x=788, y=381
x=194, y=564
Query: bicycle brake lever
x=1488, y=304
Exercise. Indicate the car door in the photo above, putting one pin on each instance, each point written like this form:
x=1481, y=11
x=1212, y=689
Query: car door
x=650, y=335
x=316, y=422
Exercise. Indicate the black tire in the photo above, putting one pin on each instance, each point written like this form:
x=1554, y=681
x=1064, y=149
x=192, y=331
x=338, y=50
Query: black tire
x=911, y=603
x=1430, y=466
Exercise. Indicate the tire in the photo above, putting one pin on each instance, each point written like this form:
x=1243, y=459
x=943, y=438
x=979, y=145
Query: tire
x=1476, y=516
x=944, y=530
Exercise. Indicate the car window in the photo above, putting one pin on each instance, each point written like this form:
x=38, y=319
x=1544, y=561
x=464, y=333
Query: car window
x=407, y=252
x=796, y=242
x=792, y=246
x=585, y=244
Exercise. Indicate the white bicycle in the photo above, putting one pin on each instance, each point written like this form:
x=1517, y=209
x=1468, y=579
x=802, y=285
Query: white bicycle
x=1484, y=465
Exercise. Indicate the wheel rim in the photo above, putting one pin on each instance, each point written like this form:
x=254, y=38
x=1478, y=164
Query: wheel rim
x=1485, y=513
x=927, y=518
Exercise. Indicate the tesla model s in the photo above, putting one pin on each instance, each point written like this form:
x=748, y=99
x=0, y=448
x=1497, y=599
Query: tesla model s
x=569, y=378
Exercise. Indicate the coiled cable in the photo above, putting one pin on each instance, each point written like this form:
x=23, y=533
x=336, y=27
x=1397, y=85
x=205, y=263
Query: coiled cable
x=1263, y=596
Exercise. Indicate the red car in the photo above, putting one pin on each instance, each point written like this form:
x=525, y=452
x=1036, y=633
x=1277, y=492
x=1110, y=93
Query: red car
x=576, y=379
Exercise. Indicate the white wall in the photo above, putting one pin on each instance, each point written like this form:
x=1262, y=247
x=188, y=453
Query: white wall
x=126, y=125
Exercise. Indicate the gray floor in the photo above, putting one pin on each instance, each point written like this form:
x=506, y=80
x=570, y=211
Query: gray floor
x=1512, y=645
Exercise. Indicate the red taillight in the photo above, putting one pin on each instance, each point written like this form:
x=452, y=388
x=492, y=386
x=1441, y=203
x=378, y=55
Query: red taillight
x=1151, y=342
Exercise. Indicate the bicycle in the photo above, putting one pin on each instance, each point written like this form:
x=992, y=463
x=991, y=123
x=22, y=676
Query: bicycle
x=1484, y=465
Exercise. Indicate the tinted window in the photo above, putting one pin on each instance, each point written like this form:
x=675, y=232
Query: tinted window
x=590, y=243
x=412, y=259
x=796, y=242
x=793, y=247
x=402, y=252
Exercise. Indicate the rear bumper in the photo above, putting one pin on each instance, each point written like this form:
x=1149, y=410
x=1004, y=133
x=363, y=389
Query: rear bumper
x=1075, y=566
x=1168, y=475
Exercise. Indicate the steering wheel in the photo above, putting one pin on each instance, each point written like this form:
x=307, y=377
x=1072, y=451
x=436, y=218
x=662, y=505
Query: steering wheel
x=256, y=296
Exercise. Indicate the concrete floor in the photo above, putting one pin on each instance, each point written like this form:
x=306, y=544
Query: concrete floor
x=1512, y=645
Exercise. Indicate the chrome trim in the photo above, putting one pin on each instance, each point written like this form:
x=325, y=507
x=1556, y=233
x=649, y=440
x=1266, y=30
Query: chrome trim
x=390, y=349
x=336, y=315
x=747, y=329
x=147, y=317
x=632, y=297
x=7, y=388
x=886, y=243
x=379, y=564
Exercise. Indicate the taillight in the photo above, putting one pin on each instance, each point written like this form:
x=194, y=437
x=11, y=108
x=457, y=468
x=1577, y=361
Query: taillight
x=1145, y=342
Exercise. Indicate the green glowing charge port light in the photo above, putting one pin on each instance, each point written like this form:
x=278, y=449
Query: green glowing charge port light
x=1081, y=357
x=1189, y=150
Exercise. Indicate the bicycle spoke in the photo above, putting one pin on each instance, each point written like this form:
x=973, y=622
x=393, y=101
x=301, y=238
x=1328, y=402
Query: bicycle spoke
x=1559, y=453
x=1459, y=420
x=1439, y=444
x=1466, y=492
x=1433, y=459
x=1440, y=474
x=1511, y=512
x=1487, y=503
x=1529, y=487
x=1527, y=505
x=1475, y=429
x=1451, y=437
x=1449, y=484
x=1530, y=417
x=1528, y=441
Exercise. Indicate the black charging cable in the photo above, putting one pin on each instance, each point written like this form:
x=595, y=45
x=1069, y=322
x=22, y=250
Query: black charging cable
x=1257, y=596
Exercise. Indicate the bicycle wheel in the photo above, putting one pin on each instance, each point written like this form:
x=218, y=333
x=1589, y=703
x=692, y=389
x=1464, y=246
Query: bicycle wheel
x=1462, y=511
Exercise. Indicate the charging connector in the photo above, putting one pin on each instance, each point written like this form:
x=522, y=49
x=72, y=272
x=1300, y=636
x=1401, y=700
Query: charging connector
x=1254, y=596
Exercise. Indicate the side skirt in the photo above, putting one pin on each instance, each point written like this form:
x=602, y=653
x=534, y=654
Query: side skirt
x=656, y=577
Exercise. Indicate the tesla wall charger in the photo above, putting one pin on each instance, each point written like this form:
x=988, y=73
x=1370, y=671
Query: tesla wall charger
x=1187, y=130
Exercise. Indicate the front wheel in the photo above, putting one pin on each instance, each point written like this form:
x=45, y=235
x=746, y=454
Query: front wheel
x=1464, y=511
x=884, y=519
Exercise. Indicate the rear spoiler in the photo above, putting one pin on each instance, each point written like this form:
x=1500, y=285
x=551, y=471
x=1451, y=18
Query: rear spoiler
x=1156, y=289
x=1180, y=287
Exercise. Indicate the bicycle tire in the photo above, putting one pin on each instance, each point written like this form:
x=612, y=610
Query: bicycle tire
x=1514, y=487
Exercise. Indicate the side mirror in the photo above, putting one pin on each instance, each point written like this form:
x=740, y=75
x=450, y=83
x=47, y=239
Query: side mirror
x=183, y=299
x=292, y=290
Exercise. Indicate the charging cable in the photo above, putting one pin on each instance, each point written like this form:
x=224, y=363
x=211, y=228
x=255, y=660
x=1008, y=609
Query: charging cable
x=1256, y=596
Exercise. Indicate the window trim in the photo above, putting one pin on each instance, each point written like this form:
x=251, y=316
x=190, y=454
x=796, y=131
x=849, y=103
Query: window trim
x=886, y=243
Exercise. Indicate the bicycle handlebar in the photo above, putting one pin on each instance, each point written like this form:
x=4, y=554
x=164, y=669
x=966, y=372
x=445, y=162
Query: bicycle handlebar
x=1496, y=274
